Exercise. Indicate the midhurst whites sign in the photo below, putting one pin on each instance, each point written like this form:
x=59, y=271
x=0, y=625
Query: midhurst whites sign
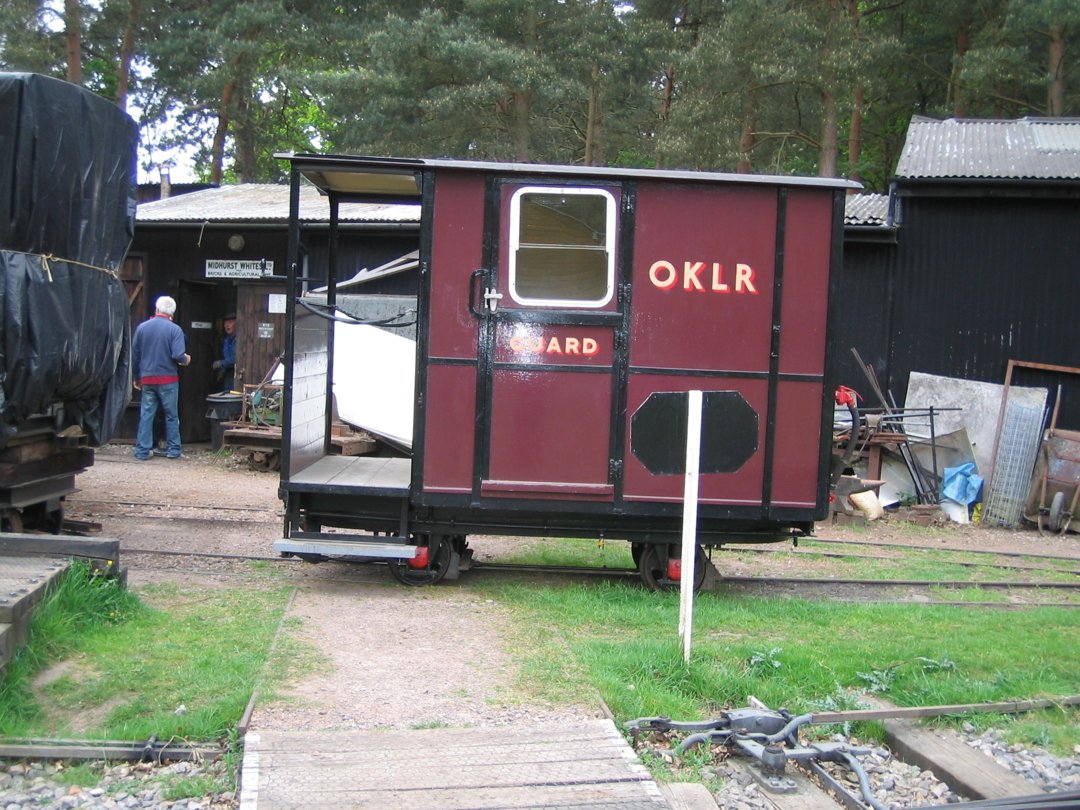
x=236, y=268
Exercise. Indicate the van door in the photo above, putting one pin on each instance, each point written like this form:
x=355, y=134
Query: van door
x=549, y=344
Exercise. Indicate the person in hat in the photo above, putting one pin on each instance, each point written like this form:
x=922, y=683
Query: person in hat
x=157, y=351
x=225, y=367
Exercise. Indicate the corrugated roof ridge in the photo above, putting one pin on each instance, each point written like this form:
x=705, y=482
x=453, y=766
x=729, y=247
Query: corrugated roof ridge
x=866, y=208
x=1027, y=119
x=268, y=202
x=1031, y=148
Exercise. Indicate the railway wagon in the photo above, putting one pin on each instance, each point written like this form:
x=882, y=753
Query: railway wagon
x=562, y=315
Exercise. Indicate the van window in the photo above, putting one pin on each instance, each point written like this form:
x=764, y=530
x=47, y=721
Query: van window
x=562, y=246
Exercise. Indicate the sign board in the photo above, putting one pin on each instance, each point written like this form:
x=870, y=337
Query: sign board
x=275, y=303
x=201, y=325
x=237, y=268
x=266, y=331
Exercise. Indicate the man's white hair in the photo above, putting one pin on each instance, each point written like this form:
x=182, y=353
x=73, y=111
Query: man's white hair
x=166, y=305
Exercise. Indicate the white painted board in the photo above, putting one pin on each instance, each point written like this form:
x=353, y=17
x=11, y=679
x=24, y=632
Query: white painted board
x=978, y=405
x=374, y=377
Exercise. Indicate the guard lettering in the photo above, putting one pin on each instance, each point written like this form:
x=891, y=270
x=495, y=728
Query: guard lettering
x=539, y=344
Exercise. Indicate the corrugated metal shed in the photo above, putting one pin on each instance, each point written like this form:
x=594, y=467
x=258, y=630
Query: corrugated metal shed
x=866, y=209
x=257, y=202
x=982, y=269
x=1025, y=149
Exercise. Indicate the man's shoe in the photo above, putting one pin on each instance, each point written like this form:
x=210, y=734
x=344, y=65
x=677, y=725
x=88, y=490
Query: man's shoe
x=178, y=455
x=142, y=458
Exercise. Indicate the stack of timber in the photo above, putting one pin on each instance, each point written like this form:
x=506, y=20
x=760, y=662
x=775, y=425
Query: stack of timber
x=37, y=470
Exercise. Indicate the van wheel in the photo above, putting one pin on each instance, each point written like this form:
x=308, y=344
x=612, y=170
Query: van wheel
x=439, y=551
x=653, y=566
x=11, y=520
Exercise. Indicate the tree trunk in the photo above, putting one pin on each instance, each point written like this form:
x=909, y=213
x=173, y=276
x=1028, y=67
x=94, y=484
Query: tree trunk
x=956, y=92
x=855, y=135
x=827, y=155
x=748, y=135
x=244, y=133
x=522, y=96
x=669, y=93
x=127, y=49
x=73, y=37
x=520, y=124
x=827, y=152
x=594, y=127
x=1056, y=91
x=217, y=151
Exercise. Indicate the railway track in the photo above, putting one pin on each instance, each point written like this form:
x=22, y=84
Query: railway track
x=1016, y=566
x=869, y=590
x=954, y=549
x=1047, y=579
x=196, y=507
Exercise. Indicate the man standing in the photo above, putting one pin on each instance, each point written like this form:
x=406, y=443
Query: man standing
x=157, y=351
x=226, y=366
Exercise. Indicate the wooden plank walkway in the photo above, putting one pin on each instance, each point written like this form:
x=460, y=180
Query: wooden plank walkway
x=24, y=581
x=586, y=765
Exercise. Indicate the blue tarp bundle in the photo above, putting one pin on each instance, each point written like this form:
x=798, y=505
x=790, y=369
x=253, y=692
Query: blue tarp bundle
x=962, y=484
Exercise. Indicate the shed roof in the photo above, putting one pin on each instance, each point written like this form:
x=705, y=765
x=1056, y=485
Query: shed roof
x=866, y=209
x=260, y=202
x=1024, y=149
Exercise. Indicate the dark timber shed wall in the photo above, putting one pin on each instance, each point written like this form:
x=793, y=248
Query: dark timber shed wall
x=976, y=278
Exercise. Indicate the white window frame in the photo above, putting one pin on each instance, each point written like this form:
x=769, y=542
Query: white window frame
x=515, y=243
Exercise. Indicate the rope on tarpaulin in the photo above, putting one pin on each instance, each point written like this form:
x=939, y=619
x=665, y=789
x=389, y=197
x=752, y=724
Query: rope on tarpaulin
x=46, y=258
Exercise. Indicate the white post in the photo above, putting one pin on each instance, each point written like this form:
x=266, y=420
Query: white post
x=689, y=529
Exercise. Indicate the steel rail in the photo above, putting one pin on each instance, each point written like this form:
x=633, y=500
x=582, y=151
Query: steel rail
x=956, y=549
x=887, y=558
x=905, y=583
x=162, y=505
x=152, y=749
x=919, y=712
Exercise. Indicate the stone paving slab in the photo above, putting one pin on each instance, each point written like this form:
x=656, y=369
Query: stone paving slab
x=582, y=765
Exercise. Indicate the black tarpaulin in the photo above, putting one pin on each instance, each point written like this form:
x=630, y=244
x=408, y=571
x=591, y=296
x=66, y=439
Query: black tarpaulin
x=67, y=215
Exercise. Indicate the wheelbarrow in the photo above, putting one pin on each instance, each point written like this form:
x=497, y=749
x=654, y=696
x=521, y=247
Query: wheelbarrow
x=1055, y=486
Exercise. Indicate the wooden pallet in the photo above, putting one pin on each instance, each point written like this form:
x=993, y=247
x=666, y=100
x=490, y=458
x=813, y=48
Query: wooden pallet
x=267, y=438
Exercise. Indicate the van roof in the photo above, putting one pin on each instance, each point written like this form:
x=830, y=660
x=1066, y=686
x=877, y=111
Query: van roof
x=398, y=178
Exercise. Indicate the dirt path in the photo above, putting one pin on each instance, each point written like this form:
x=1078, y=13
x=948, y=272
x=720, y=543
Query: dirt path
x=385, y=655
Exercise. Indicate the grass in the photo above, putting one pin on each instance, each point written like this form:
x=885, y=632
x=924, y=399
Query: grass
x=573, y=552
x=973, y=594
x=102, y=663
x=799, y=655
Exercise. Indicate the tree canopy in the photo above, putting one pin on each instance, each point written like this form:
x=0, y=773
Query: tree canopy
x=778, y=86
